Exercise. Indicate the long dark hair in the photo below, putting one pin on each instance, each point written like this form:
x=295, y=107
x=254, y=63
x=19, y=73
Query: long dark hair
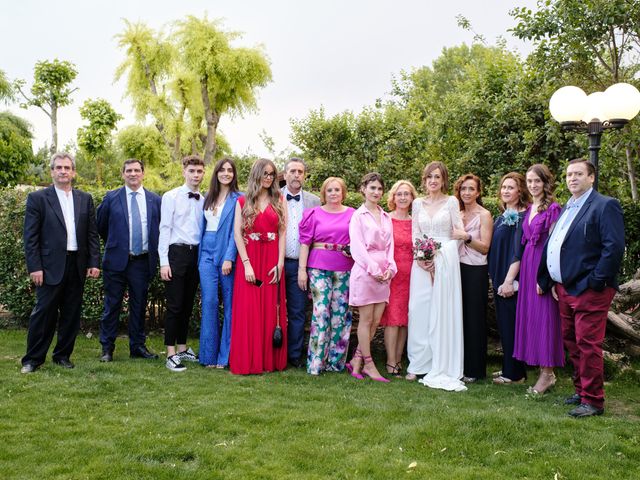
x=214, y=186
x=548, y=185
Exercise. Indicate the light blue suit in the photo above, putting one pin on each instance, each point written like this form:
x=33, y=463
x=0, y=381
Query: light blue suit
x=215, y=248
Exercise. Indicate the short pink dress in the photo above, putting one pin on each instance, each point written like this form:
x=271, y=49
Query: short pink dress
x=372, y=252
x=397, y=312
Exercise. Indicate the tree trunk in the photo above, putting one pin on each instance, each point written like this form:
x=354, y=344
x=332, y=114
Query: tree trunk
x=631, y=171
x=212, y=119
x=54, y=127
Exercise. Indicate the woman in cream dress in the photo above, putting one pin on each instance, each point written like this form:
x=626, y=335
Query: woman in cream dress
x=434, y=344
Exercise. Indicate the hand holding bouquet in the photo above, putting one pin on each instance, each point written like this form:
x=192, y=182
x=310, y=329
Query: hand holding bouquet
x=425, y=249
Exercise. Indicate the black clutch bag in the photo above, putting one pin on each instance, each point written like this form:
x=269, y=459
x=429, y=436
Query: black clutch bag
x=277, y=332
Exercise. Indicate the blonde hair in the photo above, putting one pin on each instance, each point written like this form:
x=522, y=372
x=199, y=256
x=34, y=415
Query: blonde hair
x=325, y=184
x=254, y=187
x=391, y=203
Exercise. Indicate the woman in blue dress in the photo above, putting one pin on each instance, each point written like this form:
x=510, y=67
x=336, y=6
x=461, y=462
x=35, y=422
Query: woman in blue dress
x=504, y=267
x=217, y=256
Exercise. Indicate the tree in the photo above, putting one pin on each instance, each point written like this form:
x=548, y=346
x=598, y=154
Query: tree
x=50, y=91
x=15, y=148
x=187, y=80
x=6, y=89
x=591, y=44
x=95, y=137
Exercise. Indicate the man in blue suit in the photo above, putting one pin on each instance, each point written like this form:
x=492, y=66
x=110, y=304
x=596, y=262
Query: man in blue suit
x=128, y=222
x=580, y=265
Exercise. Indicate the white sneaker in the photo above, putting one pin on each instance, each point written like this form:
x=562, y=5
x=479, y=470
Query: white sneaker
x=188, y=355
x=174, y=364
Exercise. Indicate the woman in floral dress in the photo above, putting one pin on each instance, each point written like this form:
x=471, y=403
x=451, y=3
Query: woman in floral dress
x=325, y=266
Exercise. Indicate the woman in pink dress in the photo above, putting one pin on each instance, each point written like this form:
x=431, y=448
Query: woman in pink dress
x=259, y=233
x=538, y=338
x=371, y=234
x=396, y=315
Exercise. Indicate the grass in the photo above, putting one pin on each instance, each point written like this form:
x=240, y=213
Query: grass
x=136, y=419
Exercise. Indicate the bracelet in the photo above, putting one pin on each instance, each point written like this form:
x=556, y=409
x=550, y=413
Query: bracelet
x=245, y=260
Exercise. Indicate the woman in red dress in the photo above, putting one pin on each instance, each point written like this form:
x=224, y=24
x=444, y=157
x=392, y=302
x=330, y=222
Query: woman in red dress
x=396, y=314
x=259, y=233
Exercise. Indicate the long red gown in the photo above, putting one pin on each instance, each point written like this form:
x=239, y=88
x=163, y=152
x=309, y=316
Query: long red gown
x=254, y=308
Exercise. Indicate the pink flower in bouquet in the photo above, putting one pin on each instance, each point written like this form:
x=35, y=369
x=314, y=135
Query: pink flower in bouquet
x=424, y=249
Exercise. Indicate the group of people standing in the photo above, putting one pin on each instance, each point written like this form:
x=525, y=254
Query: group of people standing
x=259, y=256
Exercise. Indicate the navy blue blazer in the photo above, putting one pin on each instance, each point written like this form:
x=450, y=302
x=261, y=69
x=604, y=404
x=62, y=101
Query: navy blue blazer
x=225, y=247
x=113, y=226
x=592, y=250
x=45, y=234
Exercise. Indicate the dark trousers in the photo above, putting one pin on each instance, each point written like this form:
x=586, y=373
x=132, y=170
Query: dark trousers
x=56, y=305
x=180, y=292
x=506, y=319
x=584, y=321
x=475, y=289
x=134, y=278
x=296, y=306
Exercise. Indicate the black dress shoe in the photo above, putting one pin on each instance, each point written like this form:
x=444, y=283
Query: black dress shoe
x=142, y=352
x=28, y=368
x=586, y=410
x=296, y=363
x=64, y=363
x=107, y=356
x=574, y=399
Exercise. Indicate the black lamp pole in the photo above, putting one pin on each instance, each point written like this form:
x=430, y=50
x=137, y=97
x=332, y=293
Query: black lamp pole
x=594, y=130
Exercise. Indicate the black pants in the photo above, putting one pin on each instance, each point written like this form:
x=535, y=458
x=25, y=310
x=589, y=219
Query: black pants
x=475, y=288
x=56, y=305
x=180, y=292
x=506, y=319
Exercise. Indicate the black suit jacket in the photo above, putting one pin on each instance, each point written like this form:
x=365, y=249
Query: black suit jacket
x=113, y=226
x=592, y=250
x=45, y=234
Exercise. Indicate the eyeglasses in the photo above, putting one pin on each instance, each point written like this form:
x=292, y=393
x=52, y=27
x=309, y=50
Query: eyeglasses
x=268, y=175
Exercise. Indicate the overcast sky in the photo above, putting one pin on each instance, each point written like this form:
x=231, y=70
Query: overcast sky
x=340, y=54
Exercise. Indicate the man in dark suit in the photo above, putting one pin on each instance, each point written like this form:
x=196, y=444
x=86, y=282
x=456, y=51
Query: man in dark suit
x=580, y=265
x=62, y=248
x=128, y=222
x=297, y=201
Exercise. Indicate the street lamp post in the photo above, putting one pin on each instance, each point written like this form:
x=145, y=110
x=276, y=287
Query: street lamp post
x=593, y=114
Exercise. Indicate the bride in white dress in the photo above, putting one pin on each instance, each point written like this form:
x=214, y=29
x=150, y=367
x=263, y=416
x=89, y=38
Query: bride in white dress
x=434, y=344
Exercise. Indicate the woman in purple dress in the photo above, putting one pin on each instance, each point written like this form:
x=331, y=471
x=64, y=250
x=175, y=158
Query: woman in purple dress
x=538, y=339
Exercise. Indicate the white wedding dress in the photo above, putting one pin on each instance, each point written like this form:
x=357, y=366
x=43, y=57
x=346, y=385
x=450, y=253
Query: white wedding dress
x=434, y=343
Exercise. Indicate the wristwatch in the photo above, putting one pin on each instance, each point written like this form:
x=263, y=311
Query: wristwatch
x=468, y=240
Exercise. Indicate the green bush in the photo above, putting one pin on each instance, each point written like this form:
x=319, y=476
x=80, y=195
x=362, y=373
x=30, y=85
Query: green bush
x=17, y=294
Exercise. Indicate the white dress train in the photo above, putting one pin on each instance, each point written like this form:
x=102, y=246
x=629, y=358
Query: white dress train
x=435, y=343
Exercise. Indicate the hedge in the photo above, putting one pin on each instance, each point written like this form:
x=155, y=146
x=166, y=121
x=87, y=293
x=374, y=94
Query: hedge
x=17, y=294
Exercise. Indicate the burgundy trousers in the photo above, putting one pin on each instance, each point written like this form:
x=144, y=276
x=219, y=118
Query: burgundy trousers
x=584, y=321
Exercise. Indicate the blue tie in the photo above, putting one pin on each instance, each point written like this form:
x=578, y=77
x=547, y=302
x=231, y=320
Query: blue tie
x=136, y=226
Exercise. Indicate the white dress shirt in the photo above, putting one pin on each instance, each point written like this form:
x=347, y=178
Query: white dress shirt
x=68, y=212
x=142, y=207
x=180, y=221
x=560, y=232
x=295, y=210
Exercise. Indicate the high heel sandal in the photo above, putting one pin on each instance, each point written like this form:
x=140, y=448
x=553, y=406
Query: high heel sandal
x=540, y=393
x=367, y=361
x=357, y=355
x=396, y=370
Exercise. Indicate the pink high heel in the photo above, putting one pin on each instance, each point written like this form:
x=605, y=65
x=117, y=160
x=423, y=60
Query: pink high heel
x=368, y=360
x=349, y=367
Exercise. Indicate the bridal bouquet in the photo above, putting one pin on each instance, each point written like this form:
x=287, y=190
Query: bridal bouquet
x=424, y=249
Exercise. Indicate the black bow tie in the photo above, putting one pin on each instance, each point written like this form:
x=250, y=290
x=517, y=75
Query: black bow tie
x=294, y=197
x=194, y=195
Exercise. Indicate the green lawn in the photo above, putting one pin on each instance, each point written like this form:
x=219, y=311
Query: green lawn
x=134, y=419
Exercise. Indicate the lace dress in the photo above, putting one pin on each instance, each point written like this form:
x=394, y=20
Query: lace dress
x=434, y=343
x=397, y=312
